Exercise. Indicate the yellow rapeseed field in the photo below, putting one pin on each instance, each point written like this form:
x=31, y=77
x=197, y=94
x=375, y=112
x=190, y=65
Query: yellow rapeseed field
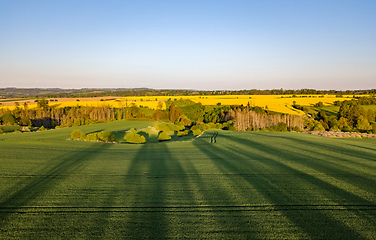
x=277, y=103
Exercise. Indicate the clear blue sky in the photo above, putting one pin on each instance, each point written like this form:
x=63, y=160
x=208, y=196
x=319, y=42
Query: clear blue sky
x=213, y=44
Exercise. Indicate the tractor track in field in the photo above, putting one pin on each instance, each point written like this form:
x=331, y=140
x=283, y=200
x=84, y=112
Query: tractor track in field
x=193, y=209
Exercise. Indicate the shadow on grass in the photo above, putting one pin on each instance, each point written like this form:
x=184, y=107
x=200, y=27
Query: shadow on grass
x=149, y=166
x=317, y=224
x=337, y=146
x=55, y=171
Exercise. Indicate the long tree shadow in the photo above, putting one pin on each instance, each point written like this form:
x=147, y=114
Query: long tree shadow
x=345, y=168
x=55, y=171
x=218, y=206
x=336, y=146
x=318, y=165
x=147, y=220
x=278, y=197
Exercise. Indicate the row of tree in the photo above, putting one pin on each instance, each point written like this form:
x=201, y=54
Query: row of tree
x=351, y=116
x=124, y=92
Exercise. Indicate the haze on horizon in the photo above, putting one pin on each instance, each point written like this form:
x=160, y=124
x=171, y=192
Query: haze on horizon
x=209, y=44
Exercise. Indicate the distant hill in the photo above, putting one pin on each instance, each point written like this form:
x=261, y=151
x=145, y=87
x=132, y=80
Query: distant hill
x=101, y=92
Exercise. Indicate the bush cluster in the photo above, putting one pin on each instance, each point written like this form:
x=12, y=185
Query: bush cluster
x=104, y=136
x=133, y=137
x=183, y=133
x=168, y=127
x=197, y=132
x=163, y=136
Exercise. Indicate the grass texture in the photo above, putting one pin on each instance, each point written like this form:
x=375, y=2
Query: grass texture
x=248, y=185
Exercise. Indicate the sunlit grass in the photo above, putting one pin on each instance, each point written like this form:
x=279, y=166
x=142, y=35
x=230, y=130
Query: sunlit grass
x=249, y=185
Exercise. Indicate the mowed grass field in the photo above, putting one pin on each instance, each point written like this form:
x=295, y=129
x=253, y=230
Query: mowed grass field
x=248, y=185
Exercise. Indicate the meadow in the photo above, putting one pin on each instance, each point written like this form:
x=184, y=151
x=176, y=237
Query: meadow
x=248, y=185
x=277, y=103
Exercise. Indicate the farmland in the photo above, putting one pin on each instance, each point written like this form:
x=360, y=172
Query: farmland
x=255, y=185
x=277, y=103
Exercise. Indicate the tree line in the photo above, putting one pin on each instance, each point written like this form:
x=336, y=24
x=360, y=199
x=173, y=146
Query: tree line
x=351, y=116
x=126, y=92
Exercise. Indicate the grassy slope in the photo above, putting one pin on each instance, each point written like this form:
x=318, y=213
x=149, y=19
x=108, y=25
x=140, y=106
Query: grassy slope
x=247, y=185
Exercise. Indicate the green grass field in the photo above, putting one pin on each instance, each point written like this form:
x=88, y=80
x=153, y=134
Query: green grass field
x=248, y=185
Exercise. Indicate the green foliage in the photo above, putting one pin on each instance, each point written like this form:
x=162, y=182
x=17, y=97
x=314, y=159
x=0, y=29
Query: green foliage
x=296, y=129
x=373, y=130
x=335, y=129
x=133, y=137
x=319, y=104
x=343, y=123
x=363, y=124
x=106, y=136
x=42, y=128
x=281, y=127
x=183, y=133
x=8, y=119
x=183, y=120
x=215, y=125
x=25, y=121
x=92, y=137
x=318, y=127
x=351, y=111
x=197, y=132
x=42, y=103
x=1, y=130
x=309, y=123
x=163, y=136
x=193, y=111
x=77, y=134
x=347, y=128
x=229, y=126
x=167, y=127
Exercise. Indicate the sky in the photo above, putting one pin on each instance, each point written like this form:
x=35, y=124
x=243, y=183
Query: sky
x=203, y=44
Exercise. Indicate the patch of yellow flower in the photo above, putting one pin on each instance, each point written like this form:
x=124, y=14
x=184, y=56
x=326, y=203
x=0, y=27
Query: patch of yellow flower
x=277, y=103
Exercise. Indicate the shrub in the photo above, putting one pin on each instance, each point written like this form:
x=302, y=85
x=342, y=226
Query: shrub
x=228, y=126
x=8, y=119
x=363, y=124
x=166, y=127
x=106, y=136
x=77, y=134
x=297, y=129
x=373, y=128
x=346, y=128
x=281, y=127
x=164, y=136
x=92, y=137
x=309, y=123
x=133, y=137
x=318, y=127
x=183, y=133
x=42, y=128
x=201, y=127
x=335, y=129
x=197, y=132
x=1, y=130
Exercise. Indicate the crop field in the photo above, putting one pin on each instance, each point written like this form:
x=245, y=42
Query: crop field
x=277, y=103
x=248, y=185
